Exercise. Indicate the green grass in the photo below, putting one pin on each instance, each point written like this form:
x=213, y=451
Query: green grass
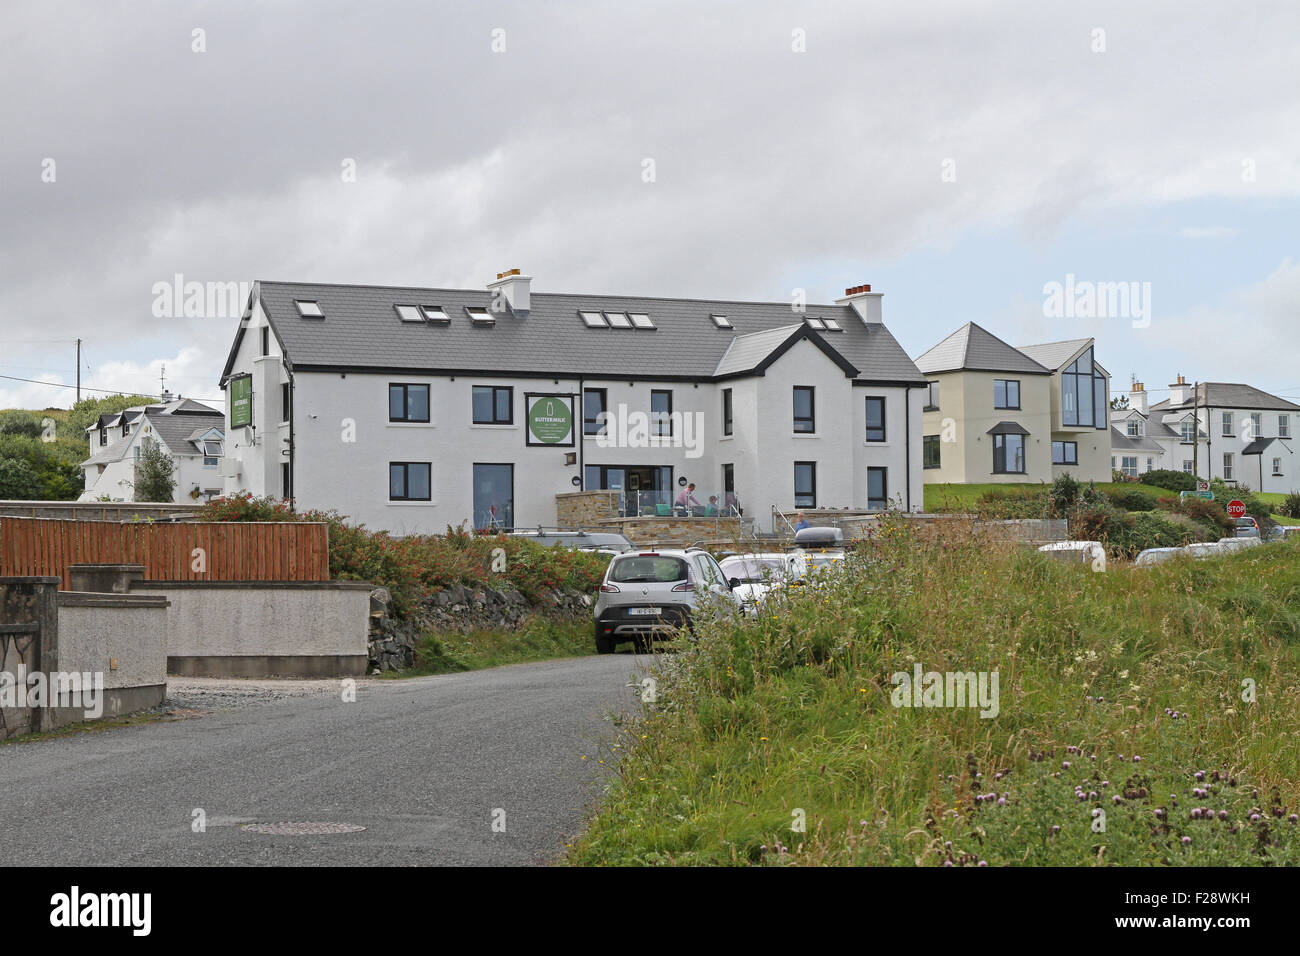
x=950, y=497
x=767, y=721
x=539, y=639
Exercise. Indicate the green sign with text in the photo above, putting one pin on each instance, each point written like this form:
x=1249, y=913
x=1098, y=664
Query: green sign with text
x=241, y=401
x=550, y=419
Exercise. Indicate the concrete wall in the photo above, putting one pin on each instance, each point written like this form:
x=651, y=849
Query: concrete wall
x=243, y=629
x=124, y=638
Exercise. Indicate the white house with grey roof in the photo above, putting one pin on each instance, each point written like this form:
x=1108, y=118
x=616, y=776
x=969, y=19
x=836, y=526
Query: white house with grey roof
x=191, y=432
x=995, y=413
x=1232, y=431
x=412, y=409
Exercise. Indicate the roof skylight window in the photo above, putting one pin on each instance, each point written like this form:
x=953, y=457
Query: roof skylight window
x=593, y=320
x=480, y=315
x=618, y=320
x=815, y=323
x=435, y=314
x=722, y=322
x=408, y=313
x=641, y=320
x=309, y=309
x=832, y=325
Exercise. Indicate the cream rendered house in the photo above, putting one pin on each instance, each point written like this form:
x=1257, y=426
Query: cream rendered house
x=999, y=414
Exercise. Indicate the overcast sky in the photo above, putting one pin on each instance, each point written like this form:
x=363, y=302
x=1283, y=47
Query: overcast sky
x=958, y=156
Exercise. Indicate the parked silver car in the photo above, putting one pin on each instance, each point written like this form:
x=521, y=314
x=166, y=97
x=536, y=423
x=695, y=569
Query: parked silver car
x=649, y=594
x=606, y=542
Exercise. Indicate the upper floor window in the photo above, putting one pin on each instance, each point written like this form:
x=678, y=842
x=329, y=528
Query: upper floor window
x=494, y=405
x=805, y=411
x=1006, y=393
x=1256, y=424
x=727, y=422
x=875, y=418
x=103, y=435
x=1187, y=431
x=1227, y=424
x=1083, y=394
x=931, y=397
x=266, y=340
x=1134, y=428
x=593, y=406
x=408, y=403
x=1283, y=426
x=661, y=411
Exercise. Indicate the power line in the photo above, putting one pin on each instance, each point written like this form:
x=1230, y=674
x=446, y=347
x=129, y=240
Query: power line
x=86, y=388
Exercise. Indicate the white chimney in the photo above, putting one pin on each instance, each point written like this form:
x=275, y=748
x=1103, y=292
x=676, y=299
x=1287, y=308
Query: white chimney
x=865, y=302
x=1179, y=391
x=1137, y=398
x=512, y=287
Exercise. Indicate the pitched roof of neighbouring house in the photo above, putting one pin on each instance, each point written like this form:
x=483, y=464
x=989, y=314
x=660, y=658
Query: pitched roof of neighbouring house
x=1230, y=395
x=180, y=425
x=972, y=348
x=1120, y=441
x=361, y=330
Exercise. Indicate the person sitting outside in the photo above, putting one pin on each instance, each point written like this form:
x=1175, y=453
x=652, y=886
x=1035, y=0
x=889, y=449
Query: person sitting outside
x=802, y=522
x=711, y=509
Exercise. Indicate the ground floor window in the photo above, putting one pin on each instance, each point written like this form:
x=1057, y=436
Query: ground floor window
x=286, y=486
x=877, y=489
x=494, y=497
x=1065, y=453
x=1008, y=454
x=409, y=480
x=805, y=484
x=1188, y=466
x=930, y=451
x=1277, y=466
x=1227, y=466
x=1129, y=465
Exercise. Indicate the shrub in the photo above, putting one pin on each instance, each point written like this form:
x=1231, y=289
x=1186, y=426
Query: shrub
x=1132, y=499
x=1290, y=505
x=414, y=566
x=1171, y=480
x=1207, y=513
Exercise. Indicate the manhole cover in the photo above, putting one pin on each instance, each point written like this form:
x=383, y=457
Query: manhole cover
x=300, y=829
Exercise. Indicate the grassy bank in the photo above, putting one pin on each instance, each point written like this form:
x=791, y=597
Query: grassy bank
x=948, y=497
x=1115, y=691
x=539, y=639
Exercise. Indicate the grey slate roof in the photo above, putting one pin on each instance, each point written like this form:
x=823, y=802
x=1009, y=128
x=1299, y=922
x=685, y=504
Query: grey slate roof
x=1119, y=441
x=976, y=349
x=1230, y=395
x=1053, y=355
x=1258, y=446
x=1008, y=428
x=362, y=330
x=177, y=425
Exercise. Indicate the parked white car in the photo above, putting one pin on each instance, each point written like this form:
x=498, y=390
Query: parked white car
x=1083, y=552
x=1206, y=549
x=760, y=573
x=1238, y=544
x=1150, y=556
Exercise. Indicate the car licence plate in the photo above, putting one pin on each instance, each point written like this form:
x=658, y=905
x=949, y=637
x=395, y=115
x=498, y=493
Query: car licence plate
x=645, y=610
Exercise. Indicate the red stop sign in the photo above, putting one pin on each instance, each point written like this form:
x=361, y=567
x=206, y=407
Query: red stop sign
x=1236, y=508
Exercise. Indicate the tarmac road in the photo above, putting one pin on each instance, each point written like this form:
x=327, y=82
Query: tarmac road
x=424, y=764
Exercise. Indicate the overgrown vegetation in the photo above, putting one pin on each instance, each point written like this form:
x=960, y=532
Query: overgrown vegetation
x=410, y=567
x=41, y=451
x=539, y=639
x=1156, y=695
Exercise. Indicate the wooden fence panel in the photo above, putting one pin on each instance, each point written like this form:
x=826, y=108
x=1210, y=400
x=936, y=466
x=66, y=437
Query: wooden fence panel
x=244, y=551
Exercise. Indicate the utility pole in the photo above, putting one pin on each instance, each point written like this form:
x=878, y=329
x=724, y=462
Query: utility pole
x=78, y=369
x=1196, y=431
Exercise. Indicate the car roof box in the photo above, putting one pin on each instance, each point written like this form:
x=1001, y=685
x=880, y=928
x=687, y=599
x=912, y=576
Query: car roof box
x=819, y=537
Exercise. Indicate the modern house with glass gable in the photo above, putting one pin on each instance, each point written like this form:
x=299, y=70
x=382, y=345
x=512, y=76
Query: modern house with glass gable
x=995, y=413
x=415, y=409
